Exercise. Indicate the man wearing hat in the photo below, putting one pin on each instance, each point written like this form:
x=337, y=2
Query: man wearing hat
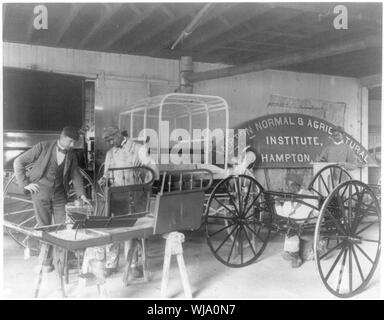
x=338, y=152
x=54, y=165
x=125, y=152
x=296, y=213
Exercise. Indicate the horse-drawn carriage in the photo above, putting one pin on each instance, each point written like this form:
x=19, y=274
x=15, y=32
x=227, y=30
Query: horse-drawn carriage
x=235, y=210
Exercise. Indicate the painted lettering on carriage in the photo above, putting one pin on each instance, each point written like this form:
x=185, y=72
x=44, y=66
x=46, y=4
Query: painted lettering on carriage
x=293, y=140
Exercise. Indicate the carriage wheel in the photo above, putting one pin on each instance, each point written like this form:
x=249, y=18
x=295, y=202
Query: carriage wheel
x=327, y=179
x=18, y=207
x=349, y=221
x=237, y=223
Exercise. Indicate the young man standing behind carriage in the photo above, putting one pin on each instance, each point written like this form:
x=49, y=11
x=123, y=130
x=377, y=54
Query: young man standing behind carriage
x=54, y=165
x=296, y=214
x=338, y=152
x=124, y=153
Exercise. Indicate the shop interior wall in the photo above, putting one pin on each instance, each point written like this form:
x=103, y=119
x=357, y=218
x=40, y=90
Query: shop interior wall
x=248, y=96
x=119, y=79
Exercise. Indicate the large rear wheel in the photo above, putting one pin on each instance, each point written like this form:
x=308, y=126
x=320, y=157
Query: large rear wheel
x=349, y=223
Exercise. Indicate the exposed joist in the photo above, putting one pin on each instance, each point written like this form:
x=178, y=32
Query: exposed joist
x=371, y=81
x=129, y=26
x=108, y=13
x=160, y=42
x=289, y=59
x=206, y=36
x=265, y=22
x=74, y=11
x=160, y=30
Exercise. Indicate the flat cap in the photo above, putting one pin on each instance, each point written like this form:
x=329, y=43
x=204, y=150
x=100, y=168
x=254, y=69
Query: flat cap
x=71, y=132
x=295, y=178
x=109, y=132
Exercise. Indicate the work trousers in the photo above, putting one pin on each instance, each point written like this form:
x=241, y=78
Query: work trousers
x=49, y=205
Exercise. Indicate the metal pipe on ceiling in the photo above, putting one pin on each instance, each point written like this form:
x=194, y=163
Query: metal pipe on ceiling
x=192, y=25
x=289, y=59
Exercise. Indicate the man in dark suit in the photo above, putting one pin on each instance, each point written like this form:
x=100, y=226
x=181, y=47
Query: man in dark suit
x=54, y=165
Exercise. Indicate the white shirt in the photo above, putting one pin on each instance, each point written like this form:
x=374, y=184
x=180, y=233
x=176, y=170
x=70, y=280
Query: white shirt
x=59, y=155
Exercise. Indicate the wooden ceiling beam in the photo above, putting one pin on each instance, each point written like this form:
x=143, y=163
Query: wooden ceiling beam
x=242, y=33
x=129, y=26
x=109, y=11
x=166, y=31
x=202, y=37
x=289, y=59
x=74, y=11
x=169, y=36
x=371, y=81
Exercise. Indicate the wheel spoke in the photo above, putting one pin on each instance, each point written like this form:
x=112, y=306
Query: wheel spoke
x=237, y=185
x=233, y=244
x=366, y=227
x=234, y=204
x=256, y=234
x=247, y=195
x=365, y=255
x=253, y=202
x=370, y=240
x=241, y=245
x=335, y=263
x=220, y=230
x=25, y=221
x=358, y=264
x=331, y=250
x=249, y=241
x=18, y=199
x=341, y=271
x=223, y=205
x=16, y=212
x=332, y=182
x=225, y=239
x=322, y=179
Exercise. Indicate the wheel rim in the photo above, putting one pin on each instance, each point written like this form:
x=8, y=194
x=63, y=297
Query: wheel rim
x=349, y=223
x=18, y=207
x=236, y=226
x=327, y=179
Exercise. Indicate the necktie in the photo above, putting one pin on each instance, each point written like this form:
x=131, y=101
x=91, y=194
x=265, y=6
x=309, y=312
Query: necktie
x=62, y=150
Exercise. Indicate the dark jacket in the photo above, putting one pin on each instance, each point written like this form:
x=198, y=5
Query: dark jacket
x=40, y=155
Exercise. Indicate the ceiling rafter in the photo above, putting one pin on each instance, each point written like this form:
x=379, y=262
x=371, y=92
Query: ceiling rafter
x=289, y=59
x=109, y=11
x=161, y=30
x=247, y=31
x=74, y=11
x=129, y=26
x=169, y=36
x=202, y=37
